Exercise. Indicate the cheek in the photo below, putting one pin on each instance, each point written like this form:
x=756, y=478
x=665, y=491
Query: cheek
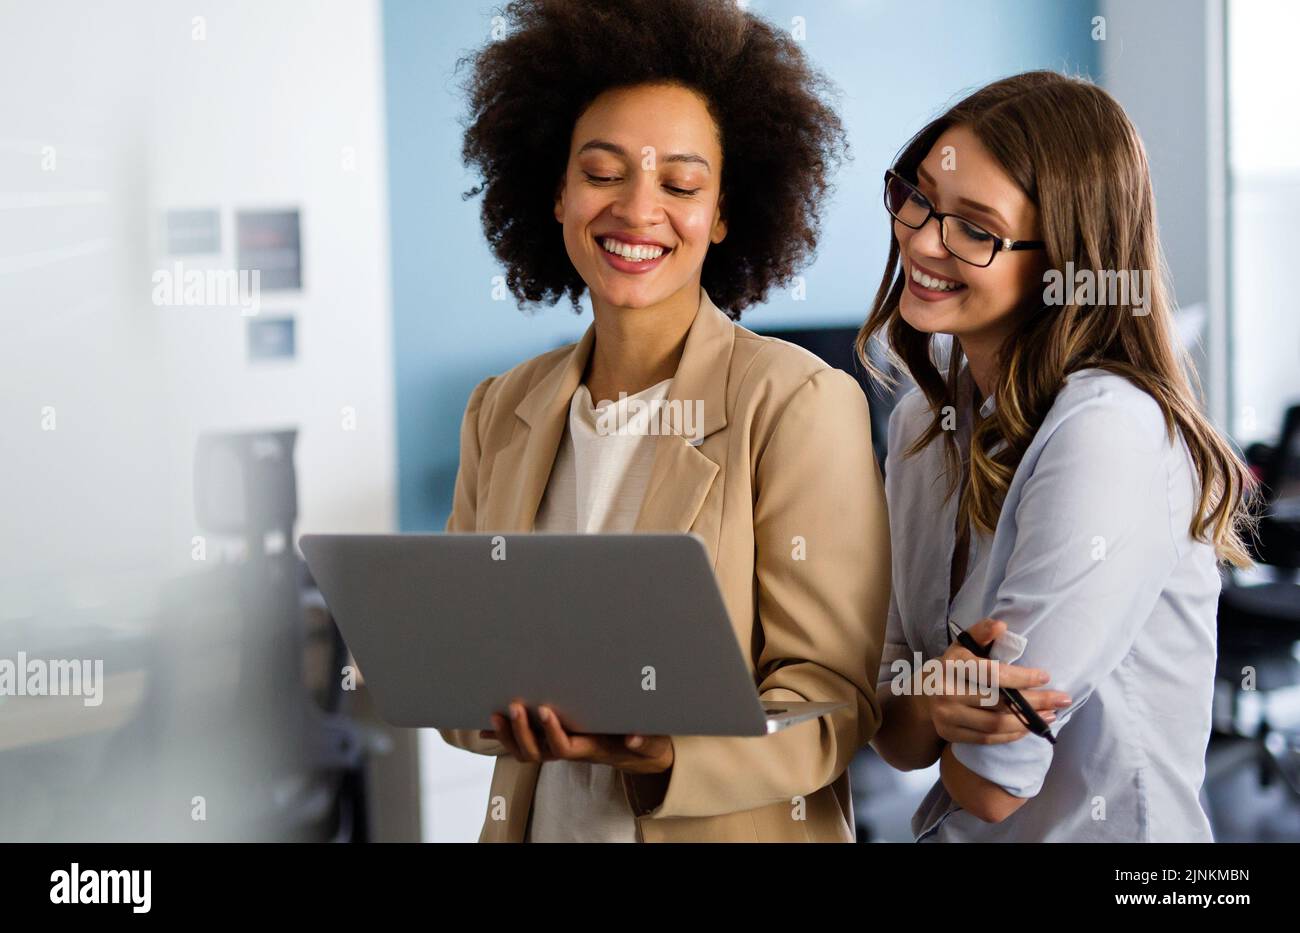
x=997, y=291
x=693, y=224
x=582, y=204
x=1031, y=281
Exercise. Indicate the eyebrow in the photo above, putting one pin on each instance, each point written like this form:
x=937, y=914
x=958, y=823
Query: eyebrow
x=973, y=205
x=614, y=148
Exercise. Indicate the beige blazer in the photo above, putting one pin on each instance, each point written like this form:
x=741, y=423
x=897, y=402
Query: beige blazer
x=785, y=493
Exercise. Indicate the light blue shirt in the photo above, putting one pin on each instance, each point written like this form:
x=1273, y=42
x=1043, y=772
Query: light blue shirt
x=1093, y=570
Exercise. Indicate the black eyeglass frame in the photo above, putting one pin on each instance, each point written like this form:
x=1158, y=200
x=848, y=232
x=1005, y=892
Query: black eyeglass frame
x=1000, y=244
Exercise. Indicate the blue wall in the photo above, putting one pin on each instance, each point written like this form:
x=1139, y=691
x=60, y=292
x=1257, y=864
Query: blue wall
x=897, y=63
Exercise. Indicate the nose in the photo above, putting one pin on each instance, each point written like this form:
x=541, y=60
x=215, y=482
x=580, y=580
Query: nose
x=638, y=204
x=928, y=241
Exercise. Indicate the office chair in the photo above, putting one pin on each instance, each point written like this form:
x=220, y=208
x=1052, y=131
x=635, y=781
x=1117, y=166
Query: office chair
x=245, y=486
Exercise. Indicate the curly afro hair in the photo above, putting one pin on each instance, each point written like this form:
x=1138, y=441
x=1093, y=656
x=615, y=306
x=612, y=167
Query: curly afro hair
x=781, y=139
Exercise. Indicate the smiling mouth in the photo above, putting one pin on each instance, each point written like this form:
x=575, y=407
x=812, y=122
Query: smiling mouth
x=933, y=282
x=639, y=252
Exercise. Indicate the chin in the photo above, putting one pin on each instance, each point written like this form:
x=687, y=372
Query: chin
x=631, y=294
x=627, y=298
x=922, y=316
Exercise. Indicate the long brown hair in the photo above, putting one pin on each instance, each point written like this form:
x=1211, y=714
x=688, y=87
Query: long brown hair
x=1073, y=151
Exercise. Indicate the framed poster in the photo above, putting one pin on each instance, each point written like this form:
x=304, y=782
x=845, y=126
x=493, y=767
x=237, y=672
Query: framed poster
x=193, y=232
x=269, y=242
x=271, y=338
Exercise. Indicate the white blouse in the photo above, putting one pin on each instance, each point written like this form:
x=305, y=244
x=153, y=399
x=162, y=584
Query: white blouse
x=596, y=486
x=1092, y=569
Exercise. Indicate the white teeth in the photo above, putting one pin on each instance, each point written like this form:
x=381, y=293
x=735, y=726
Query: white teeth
x=938, y=285
x=634, y=253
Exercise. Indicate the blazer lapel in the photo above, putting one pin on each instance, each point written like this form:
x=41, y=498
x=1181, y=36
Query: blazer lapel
x=524, y=464
x=681, y=475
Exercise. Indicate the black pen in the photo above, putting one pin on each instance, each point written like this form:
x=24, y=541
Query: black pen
x=1037, y=725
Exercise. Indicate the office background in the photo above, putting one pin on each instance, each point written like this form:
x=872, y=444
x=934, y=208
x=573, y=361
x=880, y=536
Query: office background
x=346, y=116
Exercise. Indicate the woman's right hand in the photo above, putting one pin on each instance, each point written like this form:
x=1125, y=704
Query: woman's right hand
x=961, y=713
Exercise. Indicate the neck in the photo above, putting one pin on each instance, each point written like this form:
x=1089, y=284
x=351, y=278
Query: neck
x=636, y=348
x=981, y=359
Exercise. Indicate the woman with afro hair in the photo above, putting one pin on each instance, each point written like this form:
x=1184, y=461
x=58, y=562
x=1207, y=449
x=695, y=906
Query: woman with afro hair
x=670, y=160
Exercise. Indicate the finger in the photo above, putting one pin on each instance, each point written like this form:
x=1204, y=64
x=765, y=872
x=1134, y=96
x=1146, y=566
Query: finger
x=983, y=721
x=569, y=745
x=1003, y=738
x=557, y=739
x=1018, y=678
x=963, y=672
x=956, y=652
x=643, y=746
x=969, y=737
x=998, y=717
x=986, y=630
x=523, y=733
x=974, y=679
x=1048, y=708
x=970, y=687
x=600, y=749
x=1047, y=715
x=650, y=747
x=505, y=735
x=1047, y=699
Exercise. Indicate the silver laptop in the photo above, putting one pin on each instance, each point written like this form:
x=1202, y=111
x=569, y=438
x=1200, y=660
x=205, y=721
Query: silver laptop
x=617, y=633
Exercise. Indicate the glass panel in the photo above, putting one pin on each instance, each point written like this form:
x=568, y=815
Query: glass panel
x=1264, y=202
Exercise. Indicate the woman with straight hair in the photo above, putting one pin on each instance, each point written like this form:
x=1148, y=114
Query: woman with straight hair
x=1054, y=489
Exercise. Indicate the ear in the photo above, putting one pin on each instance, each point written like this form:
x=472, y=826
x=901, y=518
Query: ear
x=559, y=200
x=719, y=231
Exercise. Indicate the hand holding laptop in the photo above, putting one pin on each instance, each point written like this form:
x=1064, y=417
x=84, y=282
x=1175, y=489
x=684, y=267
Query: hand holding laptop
x=636, y=754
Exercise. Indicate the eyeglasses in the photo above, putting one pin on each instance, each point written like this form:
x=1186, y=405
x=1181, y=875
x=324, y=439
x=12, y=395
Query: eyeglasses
x=964, y=239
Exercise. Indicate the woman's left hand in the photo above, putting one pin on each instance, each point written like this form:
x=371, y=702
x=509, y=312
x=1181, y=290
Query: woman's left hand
x=636, y=754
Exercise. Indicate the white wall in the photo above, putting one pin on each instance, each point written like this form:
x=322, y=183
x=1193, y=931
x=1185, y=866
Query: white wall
x=139, y=118
x=282, y=106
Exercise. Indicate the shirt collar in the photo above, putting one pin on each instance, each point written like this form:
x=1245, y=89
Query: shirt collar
x=967, y=390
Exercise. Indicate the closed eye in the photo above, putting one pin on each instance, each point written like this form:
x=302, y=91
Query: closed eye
x=972, y=231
